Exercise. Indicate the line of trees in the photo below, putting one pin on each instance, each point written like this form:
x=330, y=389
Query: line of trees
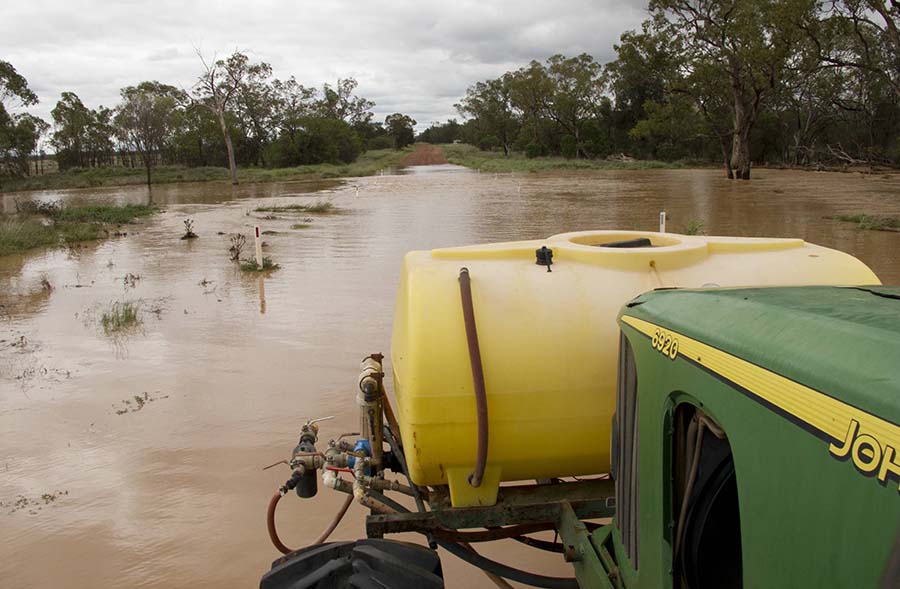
x=799, y=82
x=236, y=114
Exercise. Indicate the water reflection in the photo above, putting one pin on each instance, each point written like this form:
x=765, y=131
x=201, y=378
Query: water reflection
x=167, y=194
x=262, y=295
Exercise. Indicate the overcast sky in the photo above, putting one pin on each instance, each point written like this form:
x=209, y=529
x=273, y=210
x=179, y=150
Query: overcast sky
x=411, y=57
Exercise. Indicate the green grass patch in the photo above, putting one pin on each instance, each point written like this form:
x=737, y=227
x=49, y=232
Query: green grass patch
x=21, y=234
x=368, y=164
x=250, y=265
x=300, y=225
x=871, y=222
x=319, y=207
x=18, y=234
x=77, y=232
x=110, y=214
x=45, y=225
x=495, y=162
x=120, y=317
x=694, y=227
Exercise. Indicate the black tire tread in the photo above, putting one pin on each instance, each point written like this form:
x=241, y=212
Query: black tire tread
x=364, y=564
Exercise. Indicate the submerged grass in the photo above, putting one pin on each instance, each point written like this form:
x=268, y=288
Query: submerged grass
x=300, y=225
x=320, y=206
x=52, y=225
x=694, y=227
x=368, y=164
x=250, y=265
x=110, y=214
x=495, y=162
x=120, y=316
x=872, y=222
x=21, y=234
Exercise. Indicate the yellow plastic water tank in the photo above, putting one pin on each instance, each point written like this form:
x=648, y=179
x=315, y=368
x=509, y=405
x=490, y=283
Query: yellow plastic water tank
x=549, y=343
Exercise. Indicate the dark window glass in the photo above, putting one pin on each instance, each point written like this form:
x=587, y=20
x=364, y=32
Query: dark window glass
x=625, y=451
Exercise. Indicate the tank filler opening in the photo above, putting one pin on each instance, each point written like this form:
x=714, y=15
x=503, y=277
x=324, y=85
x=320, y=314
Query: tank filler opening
x=628, y=243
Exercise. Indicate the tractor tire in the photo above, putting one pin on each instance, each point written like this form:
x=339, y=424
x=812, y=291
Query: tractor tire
x=364, y=564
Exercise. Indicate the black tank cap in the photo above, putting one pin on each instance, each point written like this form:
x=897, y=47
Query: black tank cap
x=544, y=257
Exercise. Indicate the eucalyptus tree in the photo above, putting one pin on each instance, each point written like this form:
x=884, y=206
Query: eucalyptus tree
x=19, y=138
x=145, y=120
x=19, y=132
x=72, y=121
x=255, y=110
x=340, y=102
x=857, y=45
x=563, y=98
x=14, y=90
x=654, y=113
x=676, y=95
x=217, y=90
x=576, y=87
x=489, y=103
x=738, y=49
x=809, y=102
x=861, y=35
x=82, y=136
x=100, y=133
x=637, y=78
x=197, y=138
x=401, y=128
x=529, y=90
x=293, y=102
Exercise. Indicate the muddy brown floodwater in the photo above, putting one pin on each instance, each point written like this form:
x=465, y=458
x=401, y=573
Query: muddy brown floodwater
x=100, y=489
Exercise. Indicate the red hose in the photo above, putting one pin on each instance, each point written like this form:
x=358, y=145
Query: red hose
x=273, y=533
x=270, y=523
x=334, y=523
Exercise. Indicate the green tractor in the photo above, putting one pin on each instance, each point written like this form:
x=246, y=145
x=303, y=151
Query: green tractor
x=754, y=444
x=755, y=441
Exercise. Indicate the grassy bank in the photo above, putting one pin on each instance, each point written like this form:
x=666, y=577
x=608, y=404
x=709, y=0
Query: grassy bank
x=51, y=225
x=318, y=207
x=368, y=164
x=490, y=161
x=871, y=222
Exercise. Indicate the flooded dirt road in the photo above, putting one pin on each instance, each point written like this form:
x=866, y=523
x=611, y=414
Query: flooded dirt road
x=103, y=489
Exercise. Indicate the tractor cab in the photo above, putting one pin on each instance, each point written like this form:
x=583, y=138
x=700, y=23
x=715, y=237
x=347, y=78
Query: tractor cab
x=755, y=440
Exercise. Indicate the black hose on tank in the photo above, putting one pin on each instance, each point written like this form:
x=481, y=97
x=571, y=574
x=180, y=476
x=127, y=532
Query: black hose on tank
x=465, y=291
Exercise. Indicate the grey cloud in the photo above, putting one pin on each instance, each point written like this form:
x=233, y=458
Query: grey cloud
x=408, y=56
x=167, y=54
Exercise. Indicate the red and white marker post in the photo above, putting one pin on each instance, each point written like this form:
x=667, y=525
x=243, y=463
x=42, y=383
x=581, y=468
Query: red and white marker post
x=259, y=259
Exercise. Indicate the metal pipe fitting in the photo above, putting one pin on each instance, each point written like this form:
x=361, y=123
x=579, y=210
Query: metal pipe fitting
x=369, y=400
x=380, y=484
